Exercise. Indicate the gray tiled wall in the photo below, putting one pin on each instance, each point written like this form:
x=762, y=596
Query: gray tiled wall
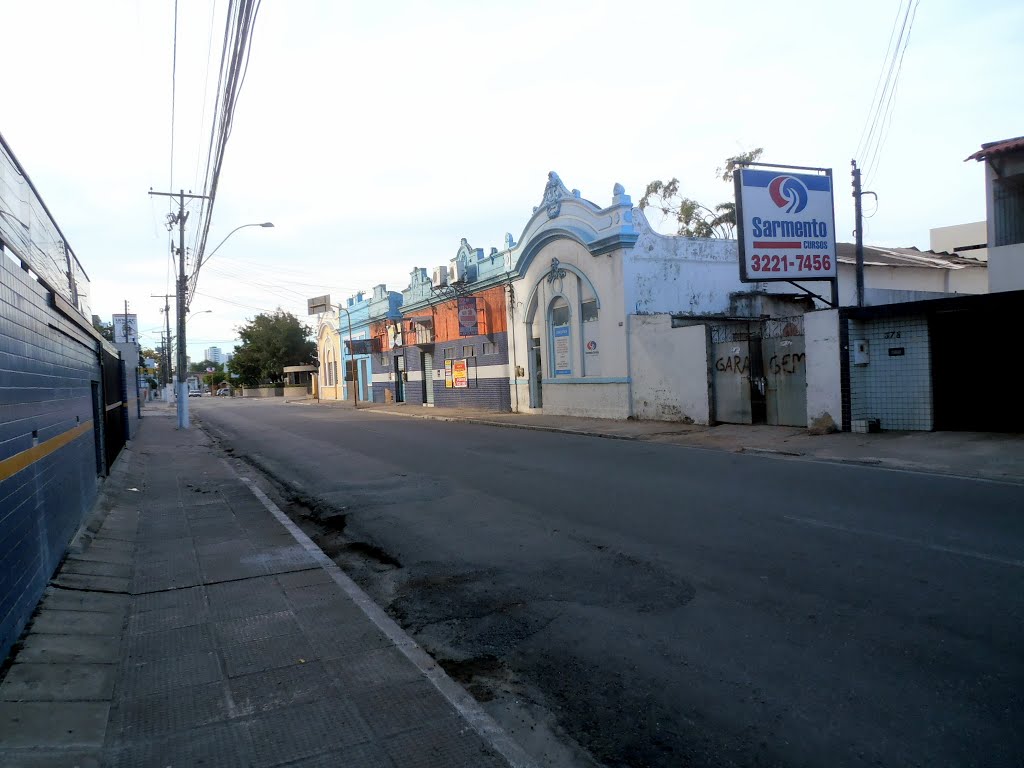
x=896, y=384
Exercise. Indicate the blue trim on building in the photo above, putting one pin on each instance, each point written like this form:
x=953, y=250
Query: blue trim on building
x=592, y=380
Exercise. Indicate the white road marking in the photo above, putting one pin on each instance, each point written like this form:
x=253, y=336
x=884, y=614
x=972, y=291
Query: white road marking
x=905, y=540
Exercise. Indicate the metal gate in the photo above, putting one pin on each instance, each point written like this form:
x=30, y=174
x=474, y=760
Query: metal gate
x=115, y=411
x=759, y=372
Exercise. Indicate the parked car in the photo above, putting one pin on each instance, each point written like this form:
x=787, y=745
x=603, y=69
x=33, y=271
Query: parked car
x=224, y=393
x=195, y=393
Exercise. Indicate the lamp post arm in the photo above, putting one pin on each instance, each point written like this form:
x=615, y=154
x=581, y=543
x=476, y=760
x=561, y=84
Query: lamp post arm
x=229, y=234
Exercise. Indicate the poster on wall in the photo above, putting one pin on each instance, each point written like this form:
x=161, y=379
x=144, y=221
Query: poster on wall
x=785, y=225
x=468, y=317
x=460, y=374
x=448, y=374
x=563, y=353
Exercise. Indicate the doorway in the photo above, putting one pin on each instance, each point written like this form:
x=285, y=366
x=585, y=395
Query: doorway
x=428, y=377
x=399, y=378
x=536, y=375
x=364, y=379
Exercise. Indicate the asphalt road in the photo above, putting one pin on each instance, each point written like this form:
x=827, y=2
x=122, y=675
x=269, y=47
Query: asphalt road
x=673, y=606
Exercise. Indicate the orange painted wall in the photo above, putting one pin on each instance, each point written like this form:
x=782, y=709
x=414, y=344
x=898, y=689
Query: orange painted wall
x=490, y=306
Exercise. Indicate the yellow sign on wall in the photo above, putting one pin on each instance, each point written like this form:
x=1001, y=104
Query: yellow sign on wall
x=447, y=374
x=460, y=374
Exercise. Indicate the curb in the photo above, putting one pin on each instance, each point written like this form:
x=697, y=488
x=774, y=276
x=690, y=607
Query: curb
x=894, y=465
x=507, y=425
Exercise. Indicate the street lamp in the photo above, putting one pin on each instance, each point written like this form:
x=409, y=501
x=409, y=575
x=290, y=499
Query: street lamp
x=200, y=312
x=210, y=255
x=355, y=393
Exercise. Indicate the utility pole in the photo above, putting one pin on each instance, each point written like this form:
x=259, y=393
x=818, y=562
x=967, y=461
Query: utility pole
x=180, y=220
x=858, y=220
x=165, y=352
x=858, y=215
x=126, y=321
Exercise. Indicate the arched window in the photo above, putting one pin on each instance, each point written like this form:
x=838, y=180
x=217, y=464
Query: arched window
x=328, y=358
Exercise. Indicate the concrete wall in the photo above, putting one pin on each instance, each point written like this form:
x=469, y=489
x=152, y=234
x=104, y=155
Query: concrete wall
x=925, y=281
x=948, y=239
x=263, y=391
x=824, y=376
x=670, y=375
x=894, y=386
x=580, y=398
x=48, y=441
x=1006, y=268
x=296, y=391
x=683, y=275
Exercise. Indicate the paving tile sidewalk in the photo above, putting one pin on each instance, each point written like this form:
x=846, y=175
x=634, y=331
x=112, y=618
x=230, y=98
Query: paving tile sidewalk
x=189, y=626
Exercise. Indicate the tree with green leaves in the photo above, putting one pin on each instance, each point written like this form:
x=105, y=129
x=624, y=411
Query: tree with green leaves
x=106, y=330
x=201, y=367
x=269, y=343
x=693, y=219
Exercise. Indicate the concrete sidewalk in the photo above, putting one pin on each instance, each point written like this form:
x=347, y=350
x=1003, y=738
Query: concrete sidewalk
x=193, y=624
x=968, y=454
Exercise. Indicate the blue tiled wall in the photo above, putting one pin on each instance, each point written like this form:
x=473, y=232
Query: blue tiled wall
x=47, y=365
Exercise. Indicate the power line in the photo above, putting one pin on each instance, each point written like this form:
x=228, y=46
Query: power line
x=206, y=86
x=887, y=117
x=233, y=70
x=878, y=82
x=870, y=147
x=174, y=89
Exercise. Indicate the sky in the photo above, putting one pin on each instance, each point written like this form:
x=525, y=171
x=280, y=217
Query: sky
x=376, y=135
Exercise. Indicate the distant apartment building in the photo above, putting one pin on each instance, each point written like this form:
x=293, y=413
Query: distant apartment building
x=215, y=355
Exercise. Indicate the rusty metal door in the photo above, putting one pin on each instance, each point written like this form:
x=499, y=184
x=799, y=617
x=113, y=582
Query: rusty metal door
x=730, y=377
x=783, y=351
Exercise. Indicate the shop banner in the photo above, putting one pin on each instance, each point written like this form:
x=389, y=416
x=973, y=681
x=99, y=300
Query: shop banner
x=468, y=325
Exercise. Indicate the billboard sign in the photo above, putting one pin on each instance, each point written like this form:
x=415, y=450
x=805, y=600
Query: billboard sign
x=785, y=225
x=468, y=325
x=318, y=304
x=126, y=329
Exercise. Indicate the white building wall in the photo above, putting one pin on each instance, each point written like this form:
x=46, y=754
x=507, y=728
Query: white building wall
x=684, y=275
x=1006, y=268
x=907, y=283
x=948, y=239
x=894, y=386
x=670, y=373
x=598, y=384
x=824, y=373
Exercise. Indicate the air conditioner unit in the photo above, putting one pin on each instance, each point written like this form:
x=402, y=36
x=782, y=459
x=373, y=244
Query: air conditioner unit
x=440, y=277
x=459, y=272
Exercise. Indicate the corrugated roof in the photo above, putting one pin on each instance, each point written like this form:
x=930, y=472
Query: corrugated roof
x=905, y=257
x=997, y=148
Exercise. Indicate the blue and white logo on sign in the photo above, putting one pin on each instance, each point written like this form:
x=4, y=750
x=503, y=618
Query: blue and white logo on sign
x=788, y=193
